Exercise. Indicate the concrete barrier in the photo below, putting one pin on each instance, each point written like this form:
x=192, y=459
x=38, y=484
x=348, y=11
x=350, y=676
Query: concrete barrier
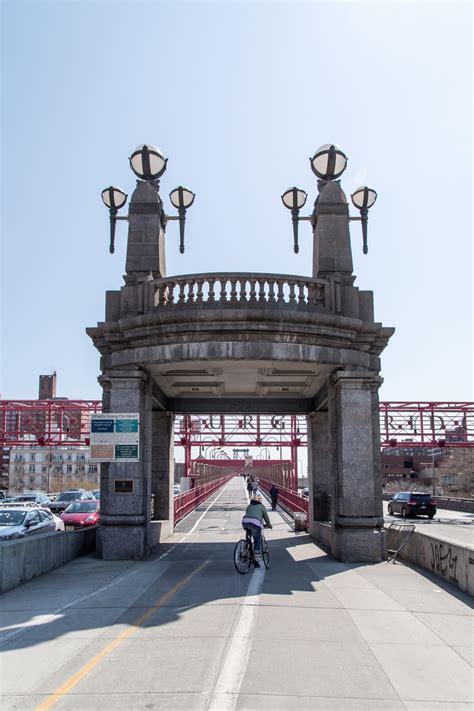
x=26, y=558
x=452, y=562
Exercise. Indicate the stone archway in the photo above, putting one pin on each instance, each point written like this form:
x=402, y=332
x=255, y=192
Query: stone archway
x=233, y=342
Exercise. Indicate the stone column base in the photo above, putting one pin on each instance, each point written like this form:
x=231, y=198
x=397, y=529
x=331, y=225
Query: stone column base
x=359, y=545
x=121, y=542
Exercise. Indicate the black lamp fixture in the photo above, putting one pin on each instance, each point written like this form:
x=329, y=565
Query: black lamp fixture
x=328, y=163
x=148, y=163
x=181, y=198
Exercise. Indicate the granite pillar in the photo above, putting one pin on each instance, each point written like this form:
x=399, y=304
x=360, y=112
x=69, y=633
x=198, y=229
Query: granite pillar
x=162, y=468
x=319, y=467
x=125, y=517
x=357, y=526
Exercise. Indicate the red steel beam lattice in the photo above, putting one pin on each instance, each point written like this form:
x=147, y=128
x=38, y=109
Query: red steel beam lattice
x=402, y=424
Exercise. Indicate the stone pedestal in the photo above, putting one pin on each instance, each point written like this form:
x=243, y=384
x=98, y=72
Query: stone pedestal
x=125, y=517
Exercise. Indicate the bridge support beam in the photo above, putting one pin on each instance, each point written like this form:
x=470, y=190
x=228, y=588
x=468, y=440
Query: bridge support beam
x=125, y=517
x=357, y=525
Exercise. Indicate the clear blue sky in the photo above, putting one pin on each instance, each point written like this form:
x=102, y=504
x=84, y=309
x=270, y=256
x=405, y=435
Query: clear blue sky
x=237, y=95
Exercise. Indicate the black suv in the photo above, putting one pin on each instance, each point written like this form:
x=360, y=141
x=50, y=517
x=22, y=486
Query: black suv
x=412, y=503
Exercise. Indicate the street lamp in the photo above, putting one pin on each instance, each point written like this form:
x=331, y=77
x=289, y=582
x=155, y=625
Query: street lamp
x=148, y=163
x=328, y=163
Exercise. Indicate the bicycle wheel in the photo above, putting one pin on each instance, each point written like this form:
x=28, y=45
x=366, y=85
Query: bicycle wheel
x=265, y=553
x=242, y=557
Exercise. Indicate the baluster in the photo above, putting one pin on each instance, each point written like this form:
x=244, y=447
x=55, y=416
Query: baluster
x=211, y=296
x=253, y=291
x=280, y=299
x=182, y=295
x=191, y=295
x=261, y=290
x=170, y=295
x=200, y=283
x=164, y=294
x=223, y=294
x=292, y=298
x=301, y=295
x=233, y=289
x=271, y=291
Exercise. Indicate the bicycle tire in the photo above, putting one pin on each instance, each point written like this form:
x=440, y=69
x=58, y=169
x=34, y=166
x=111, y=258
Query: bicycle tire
x=265, y=553
x=242, y=557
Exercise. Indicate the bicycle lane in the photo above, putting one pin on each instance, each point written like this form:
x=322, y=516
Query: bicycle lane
x=165, y=645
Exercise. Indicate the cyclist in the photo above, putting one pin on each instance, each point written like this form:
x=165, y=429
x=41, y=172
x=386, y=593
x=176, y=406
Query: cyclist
x=254, y=519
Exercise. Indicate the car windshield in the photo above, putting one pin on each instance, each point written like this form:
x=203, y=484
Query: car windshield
x=82, y=507
x=11, y=518
x=31, y=497
x=69, y=496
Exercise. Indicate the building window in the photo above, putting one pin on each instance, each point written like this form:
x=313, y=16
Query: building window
x=81, y=458
x=93, y=469
x=32, y=480
x=80, y=469
x=32, y=469
x=69, y=469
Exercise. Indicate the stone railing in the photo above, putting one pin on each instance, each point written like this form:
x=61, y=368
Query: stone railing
x=236, y=289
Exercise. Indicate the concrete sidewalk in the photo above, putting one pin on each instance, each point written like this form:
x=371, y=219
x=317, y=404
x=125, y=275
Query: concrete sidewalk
x=309, y=633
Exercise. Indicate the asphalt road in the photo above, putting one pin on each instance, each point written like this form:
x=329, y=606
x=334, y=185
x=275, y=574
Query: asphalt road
x=454, y=526
x=182, y=630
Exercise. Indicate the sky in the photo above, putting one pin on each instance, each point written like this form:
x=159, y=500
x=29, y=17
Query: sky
x=237, y=95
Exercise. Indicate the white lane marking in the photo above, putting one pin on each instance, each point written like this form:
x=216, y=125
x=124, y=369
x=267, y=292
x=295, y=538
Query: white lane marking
x=227, y=688
x=163, y=555
x=246, y=490
x=51, y=616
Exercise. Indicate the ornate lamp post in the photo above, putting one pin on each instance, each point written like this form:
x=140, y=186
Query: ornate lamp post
x=328, y=164
x=148, y=163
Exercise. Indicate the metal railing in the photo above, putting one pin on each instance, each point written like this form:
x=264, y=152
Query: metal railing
x=237, y=288
x=287, y=499
x=189, y=500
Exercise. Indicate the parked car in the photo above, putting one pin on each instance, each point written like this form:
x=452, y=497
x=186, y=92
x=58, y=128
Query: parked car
x=96, y=493
x=21, y=521
x=3, y=495
x=81, y=513
x=37, y=497
x=67, y=497
x=177, y=489
x=412, y=503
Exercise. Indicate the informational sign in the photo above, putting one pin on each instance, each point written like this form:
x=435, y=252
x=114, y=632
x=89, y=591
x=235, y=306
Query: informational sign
x=114, y=437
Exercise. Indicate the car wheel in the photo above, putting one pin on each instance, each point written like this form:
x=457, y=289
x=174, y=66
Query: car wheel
x=390, y=510
x=430, y=516
x=404, y=513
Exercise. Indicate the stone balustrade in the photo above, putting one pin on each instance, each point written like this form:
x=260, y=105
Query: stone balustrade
x=235, y=289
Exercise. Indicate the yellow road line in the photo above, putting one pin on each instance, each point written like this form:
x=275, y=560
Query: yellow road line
x=78, y=676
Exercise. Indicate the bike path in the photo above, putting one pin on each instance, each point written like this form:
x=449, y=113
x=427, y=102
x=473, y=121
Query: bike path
x=183, y=630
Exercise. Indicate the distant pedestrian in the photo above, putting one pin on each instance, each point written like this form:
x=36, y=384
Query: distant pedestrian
x=274, y=491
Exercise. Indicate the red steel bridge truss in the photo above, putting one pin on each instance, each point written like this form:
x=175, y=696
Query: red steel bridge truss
x=66, y=423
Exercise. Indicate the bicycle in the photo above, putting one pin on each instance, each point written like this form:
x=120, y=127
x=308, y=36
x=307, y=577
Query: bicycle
x=244, y=555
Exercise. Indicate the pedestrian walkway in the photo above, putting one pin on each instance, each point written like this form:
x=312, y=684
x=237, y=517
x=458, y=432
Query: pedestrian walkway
x=183, y=630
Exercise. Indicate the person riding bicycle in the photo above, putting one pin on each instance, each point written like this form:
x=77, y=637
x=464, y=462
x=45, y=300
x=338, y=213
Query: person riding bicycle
x=254, y=519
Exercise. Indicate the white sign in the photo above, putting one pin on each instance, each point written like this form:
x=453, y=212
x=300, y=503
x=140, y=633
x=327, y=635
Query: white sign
x=115, y=437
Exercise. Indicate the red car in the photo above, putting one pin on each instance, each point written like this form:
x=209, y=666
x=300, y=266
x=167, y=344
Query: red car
x=81, y=513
